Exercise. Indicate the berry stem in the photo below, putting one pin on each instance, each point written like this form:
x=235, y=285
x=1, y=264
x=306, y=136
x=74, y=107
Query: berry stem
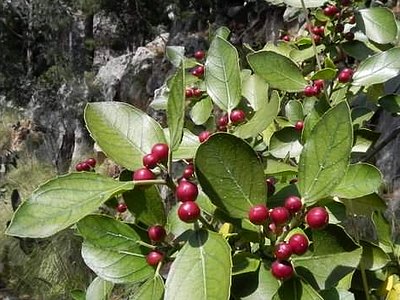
x=146, y=245
x=149, y=182
x=205, y=223
x=364, y=281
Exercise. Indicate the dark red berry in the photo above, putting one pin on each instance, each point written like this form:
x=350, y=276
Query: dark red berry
x=270, y=186
x=79, y=167
x=319, y=83
x=189, y=92
x=121, y=207
x=203, y=136
x=188, y=212
x=258, y=214
x=339, y=28
x=223, y=121
x=345, y=2
x=197, y=92
x=188, y=171
x=316, y=38
x=156, y=233
x=349, y=36
x=198, y=71
x=352, y=20
x=91, y=162
x=279, y=215
x=160, y=151
x=282, y=270
x=154, y=258
x=86, y=166
x=199, y=55
x=143, y=174
x=237, y=116
x=186, y=191
x=309, y=91
x=298, y=126
x=285, y=38
x=150, y=161
x=293, y=204
x=316, y=90
x=345, y=75
x=299, y=243
x=330, y=10
x=283, y=251
x=317, y=217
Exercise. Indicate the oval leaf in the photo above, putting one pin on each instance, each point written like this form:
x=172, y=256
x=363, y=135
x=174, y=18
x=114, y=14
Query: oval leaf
x=99, y=289
x=255, y=90
x=61, y=202
x=222, y=74
x=294, y=111
x=123, y=132
x=360, y=180
x=279, y=71
x=230, y=173
x=152, y=289
x=201, y=111
x=378, y=68
x=111, y=250
x=187, y=148
x=378, y=24
x=373, y=257
x=285, y=143
x=201, y=270
x=296, y=289
x=325, y=157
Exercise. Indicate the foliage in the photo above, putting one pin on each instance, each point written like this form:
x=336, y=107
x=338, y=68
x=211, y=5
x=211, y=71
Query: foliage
x=304, y=150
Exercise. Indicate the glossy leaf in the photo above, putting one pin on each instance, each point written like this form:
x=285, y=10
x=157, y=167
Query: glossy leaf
x=325, y=157
x=365, y=205
x=99, y=289
x=244, y=262
x=255, y=90
x=360, y=180
x=296, y=289
x=325, y=74
x=278, y=167
x=277, y=70
x=391, y=103
x=111, y=250
x=378, y=68
x=262, y=118
x=230, y=173
x=285, y=143
x=294, y=111
x=335, y=251
x=175, y=226
x=188, y=146
x=373, y=258
x=202, y=269
x=124, y=133
x=63, y=201
x=176, y=109
x=378, y=24
x=201, y=111
x=222, y=75
x=383, y=230
x=357, y=49
x=152, y=289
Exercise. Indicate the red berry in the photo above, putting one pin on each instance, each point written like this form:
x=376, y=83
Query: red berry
x=79, y=167
x=91, y=162
x=150, y=161
x=198, y=71
x=270, y=186
x=154, y=257
x=85, y=166
x=319, y=83
x=258, y=214
x=330, y=10
x=279, y=215
x=298, y=126
x=203, y=136
x=349, y=36
x=143, y=174
x=189, y=92
x=186, y=191
x=237, y=116
x=121, y=207
x=199, y=54
x=156, y=233
x=188, y=212
x=352, y=20
x=223, y=121
x=282, y=270
x=285, y=38
x=160, y=151
x=345, y=75
x=309, y=91
x=188, y=171
x=299, y=243
x=317, y=217
x=345, y=2
x=197, y=92
x=293, y=204
x=283, y=251
x=339, y=27
x=316, y=38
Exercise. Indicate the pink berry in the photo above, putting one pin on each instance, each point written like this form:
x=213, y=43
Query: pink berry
x=279, y=215
x=203, y=136
x=299, y=243
x=154, y=258
x=282, y=270
x=298, y=126
x=223, y=121
x=156, y=233
x=186, y=191
x=293, y=204
x=317, y=217
x=237, y=116
x=160, y=151
x=258, y=214
x=309, y=91
x=345, y=75
x=143, y=174
x=188, y=212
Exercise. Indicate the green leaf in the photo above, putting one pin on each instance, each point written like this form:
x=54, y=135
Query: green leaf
x=202, y=269
x=244, y=262
x=307, y=3
x=124, y=133
x=99, y=289
x=378, y=24
x=152, y=289
x=334, y=256
x=360, y=180
x=111, y=250
x=357, y=49
x=325, y=74
x=305, y=54
x=294, y=111
x=318, y=109
x=391, y=103
x=262, y=118
x=146, y=205
x=277, y=70
x=78, y=295
x=201, y=111
x=175, y=226
x=360, y=115
x=230, y=173
x=175, y=54
x=285, y=143
x=188, y=146
x=383, y=230
x=255, y=90
x=275, y=167
x=365, y=205
x=176, y=109
x=337, y=294
x=222, y=74
x=325, y=157
x=223, y=32
x=296, y=289
x=378, y=68
x=61, y=202
x=373, y=257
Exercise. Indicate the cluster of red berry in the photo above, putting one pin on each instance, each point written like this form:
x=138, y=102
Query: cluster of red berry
x=86, y=165
x=276, y=220
x=187, y=192
x=315, y=88
x=156, y=234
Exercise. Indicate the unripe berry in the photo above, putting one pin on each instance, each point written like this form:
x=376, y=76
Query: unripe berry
x=279, y=215
x=283, y=251
x=299, y=243
x=282, y=270
x=154, y=257
x=121, y=207
x=186, y=191
x=237, y=116
x=160, y=151
x=199, y=55
x=293, y=204
x=150, y=161
x=203, y=136
x=317, y=217
x=188, y=212
x=156, y=233
x=299, y=125
x=143, y=174
x=258, y=214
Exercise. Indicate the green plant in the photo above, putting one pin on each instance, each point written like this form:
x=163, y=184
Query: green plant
x=216, y=245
